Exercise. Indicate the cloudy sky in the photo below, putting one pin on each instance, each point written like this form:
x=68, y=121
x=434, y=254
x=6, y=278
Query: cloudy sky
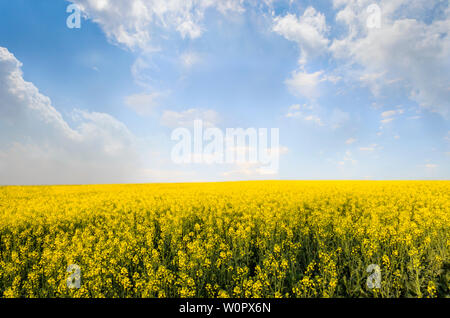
x=98, y=104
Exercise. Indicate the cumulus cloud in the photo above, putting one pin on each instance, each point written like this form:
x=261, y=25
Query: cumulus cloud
x=146, y=26
x=304, y=84
x=132, y=22
x=37, y=145
x=407, y=49
x=308, y=31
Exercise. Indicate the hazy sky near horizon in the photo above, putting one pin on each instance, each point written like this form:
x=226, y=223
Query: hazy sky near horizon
x=98, y=104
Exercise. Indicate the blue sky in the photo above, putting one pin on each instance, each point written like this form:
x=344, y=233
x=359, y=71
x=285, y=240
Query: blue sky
x=98, y=104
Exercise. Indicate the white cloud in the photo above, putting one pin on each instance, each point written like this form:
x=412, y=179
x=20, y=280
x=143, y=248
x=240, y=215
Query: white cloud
x=431, y=166
x=405, y=50
x=303, y=112
x=387, y=120
x=37, y=146
x=374, y=81
x=391, y=113
x=144, y=104
x=142, y=70
x=175, y=119
x=304, y=84
x=338, y=118
x=370, y=148
x=189, y=59
x=332, y=78
x=226, y=6
x=146, y=26
x=189, y=29
x=313, y=118
x=351, y=141
x=333, y=119
x=133, y=23
x=308, y=31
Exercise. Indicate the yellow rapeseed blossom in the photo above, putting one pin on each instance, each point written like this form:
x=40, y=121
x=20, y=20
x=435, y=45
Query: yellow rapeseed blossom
x=238, y=239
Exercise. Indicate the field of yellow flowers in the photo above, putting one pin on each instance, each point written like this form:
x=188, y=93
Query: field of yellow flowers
x=243, y=239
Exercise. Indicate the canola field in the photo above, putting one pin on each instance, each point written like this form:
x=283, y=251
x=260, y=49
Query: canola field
x=245, y=239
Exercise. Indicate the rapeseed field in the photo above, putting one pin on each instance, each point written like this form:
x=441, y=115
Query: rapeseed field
x=244, y=239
